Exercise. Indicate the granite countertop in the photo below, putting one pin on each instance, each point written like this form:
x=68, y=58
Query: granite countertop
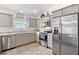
x=15, y=32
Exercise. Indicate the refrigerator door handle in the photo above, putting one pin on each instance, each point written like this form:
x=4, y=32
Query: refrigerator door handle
x=56, y=30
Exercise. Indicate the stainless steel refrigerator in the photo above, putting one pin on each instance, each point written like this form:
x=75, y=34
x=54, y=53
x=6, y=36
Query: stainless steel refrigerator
x=65, y=35
x=0, y=44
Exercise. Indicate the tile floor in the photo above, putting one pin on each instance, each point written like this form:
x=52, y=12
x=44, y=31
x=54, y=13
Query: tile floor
x=30, y=49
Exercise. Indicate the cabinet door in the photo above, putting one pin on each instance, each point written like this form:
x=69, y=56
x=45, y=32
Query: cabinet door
x=50, y=40
x=40, y=23
x=32, y=23
x=19, y=39
x=27, y=38
x=11, y=41
x=70, y=10
x=32, y=37
x=57, y=13
x=24, y=38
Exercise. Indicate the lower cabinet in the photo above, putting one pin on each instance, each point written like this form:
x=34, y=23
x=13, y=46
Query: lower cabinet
x=11, y=41
x=24, y=38
x=49, y=40
x=19, y=39
x=32, y=37
x=27, y=38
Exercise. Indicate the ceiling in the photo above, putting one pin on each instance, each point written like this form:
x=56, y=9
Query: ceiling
x=26, y=8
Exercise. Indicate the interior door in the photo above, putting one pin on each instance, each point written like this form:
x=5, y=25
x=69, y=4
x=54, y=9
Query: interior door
x=69, y=42
x=56, y=35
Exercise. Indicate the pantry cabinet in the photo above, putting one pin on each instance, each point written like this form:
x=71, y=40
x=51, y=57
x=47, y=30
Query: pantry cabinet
x=27, y=38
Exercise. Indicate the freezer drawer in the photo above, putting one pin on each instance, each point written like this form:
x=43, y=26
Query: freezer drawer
x=69, y=44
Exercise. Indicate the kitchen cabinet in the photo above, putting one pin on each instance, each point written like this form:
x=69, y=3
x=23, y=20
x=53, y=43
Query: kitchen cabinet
x=20, y=38
x=37, y=36
x=11, y=41
x=71, y=9
x=32, y=37
x=27, y=38
x=49, y=40
x=32, y=23
x=44, y=22
x=39, y=23
x=24, y=38
x=57, y=13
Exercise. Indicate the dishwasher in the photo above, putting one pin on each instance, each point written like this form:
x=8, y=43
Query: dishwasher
x=8, y=42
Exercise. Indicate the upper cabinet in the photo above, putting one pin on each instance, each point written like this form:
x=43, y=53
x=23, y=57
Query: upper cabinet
x=5, y=20
x=71, y=9
x=57, y=13
x=46, y=22
x=32, y=23
x=39, y=23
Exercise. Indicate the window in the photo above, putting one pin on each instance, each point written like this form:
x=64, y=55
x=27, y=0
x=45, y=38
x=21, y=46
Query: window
x=21, y=24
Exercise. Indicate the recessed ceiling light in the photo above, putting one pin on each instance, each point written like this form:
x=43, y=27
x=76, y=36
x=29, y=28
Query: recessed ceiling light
x=34, y=11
